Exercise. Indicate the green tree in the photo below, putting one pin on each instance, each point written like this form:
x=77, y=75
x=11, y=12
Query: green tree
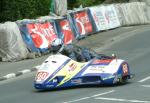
x=12, y=10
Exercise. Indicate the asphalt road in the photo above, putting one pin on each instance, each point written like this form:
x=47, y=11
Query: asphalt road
x=135, y=49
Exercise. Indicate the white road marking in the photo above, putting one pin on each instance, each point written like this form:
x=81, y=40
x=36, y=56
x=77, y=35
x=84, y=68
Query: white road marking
x=145, y=79
x=122, y=100
x=103, y=93
x=26, y=71
x=11, y=75
x=77, y=100
x=146, y=85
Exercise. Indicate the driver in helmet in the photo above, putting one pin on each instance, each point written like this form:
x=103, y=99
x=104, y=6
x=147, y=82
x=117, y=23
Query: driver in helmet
x=57, y=46
x=70, y=50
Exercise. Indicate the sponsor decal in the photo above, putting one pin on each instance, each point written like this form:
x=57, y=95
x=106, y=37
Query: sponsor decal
x=41, y=76
x=102, y=61
x=54, y=80
x=78, y=81
x=97, y=68
x=42, y=34
x=72, y=67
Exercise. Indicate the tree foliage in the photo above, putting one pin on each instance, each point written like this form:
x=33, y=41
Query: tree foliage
x=12, y=10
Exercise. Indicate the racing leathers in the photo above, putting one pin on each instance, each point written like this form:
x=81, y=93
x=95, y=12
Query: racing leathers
x=75, y=52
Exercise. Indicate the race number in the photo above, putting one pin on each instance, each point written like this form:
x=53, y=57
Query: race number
x=125, y=69
x=41, y=75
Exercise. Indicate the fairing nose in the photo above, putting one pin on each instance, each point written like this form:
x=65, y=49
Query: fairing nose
x=44, y=84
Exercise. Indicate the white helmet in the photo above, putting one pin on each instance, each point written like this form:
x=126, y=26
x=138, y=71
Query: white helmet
x=57, y=45
x=56, y=42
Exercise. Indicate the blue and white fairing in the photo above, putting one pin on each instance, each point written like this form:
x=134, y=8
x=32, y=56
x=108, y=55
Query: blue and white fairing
x=61, y=71
x=107, y=70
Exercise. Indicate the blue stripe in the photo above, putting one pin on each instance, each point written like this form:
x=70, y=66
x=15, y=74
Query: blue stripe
x=100, y=64
x=54, y=73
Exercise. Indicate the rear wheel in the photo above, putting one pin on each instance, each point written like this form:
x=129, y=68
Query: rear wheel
x=123, y=80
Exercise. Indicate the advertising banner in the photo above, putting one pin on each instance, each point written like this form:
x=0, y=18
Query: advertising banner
x=98, y=15
x=112, y=17
x=66, y=30
x=42, y=34
x=105, y=17
x=26, y=37
x=83, y=23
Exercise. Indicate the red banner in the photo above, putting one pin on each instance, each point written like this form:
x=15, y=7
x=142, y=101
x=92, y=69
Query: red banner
x=83, y=22
x=42, y=34
x=66, y=30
